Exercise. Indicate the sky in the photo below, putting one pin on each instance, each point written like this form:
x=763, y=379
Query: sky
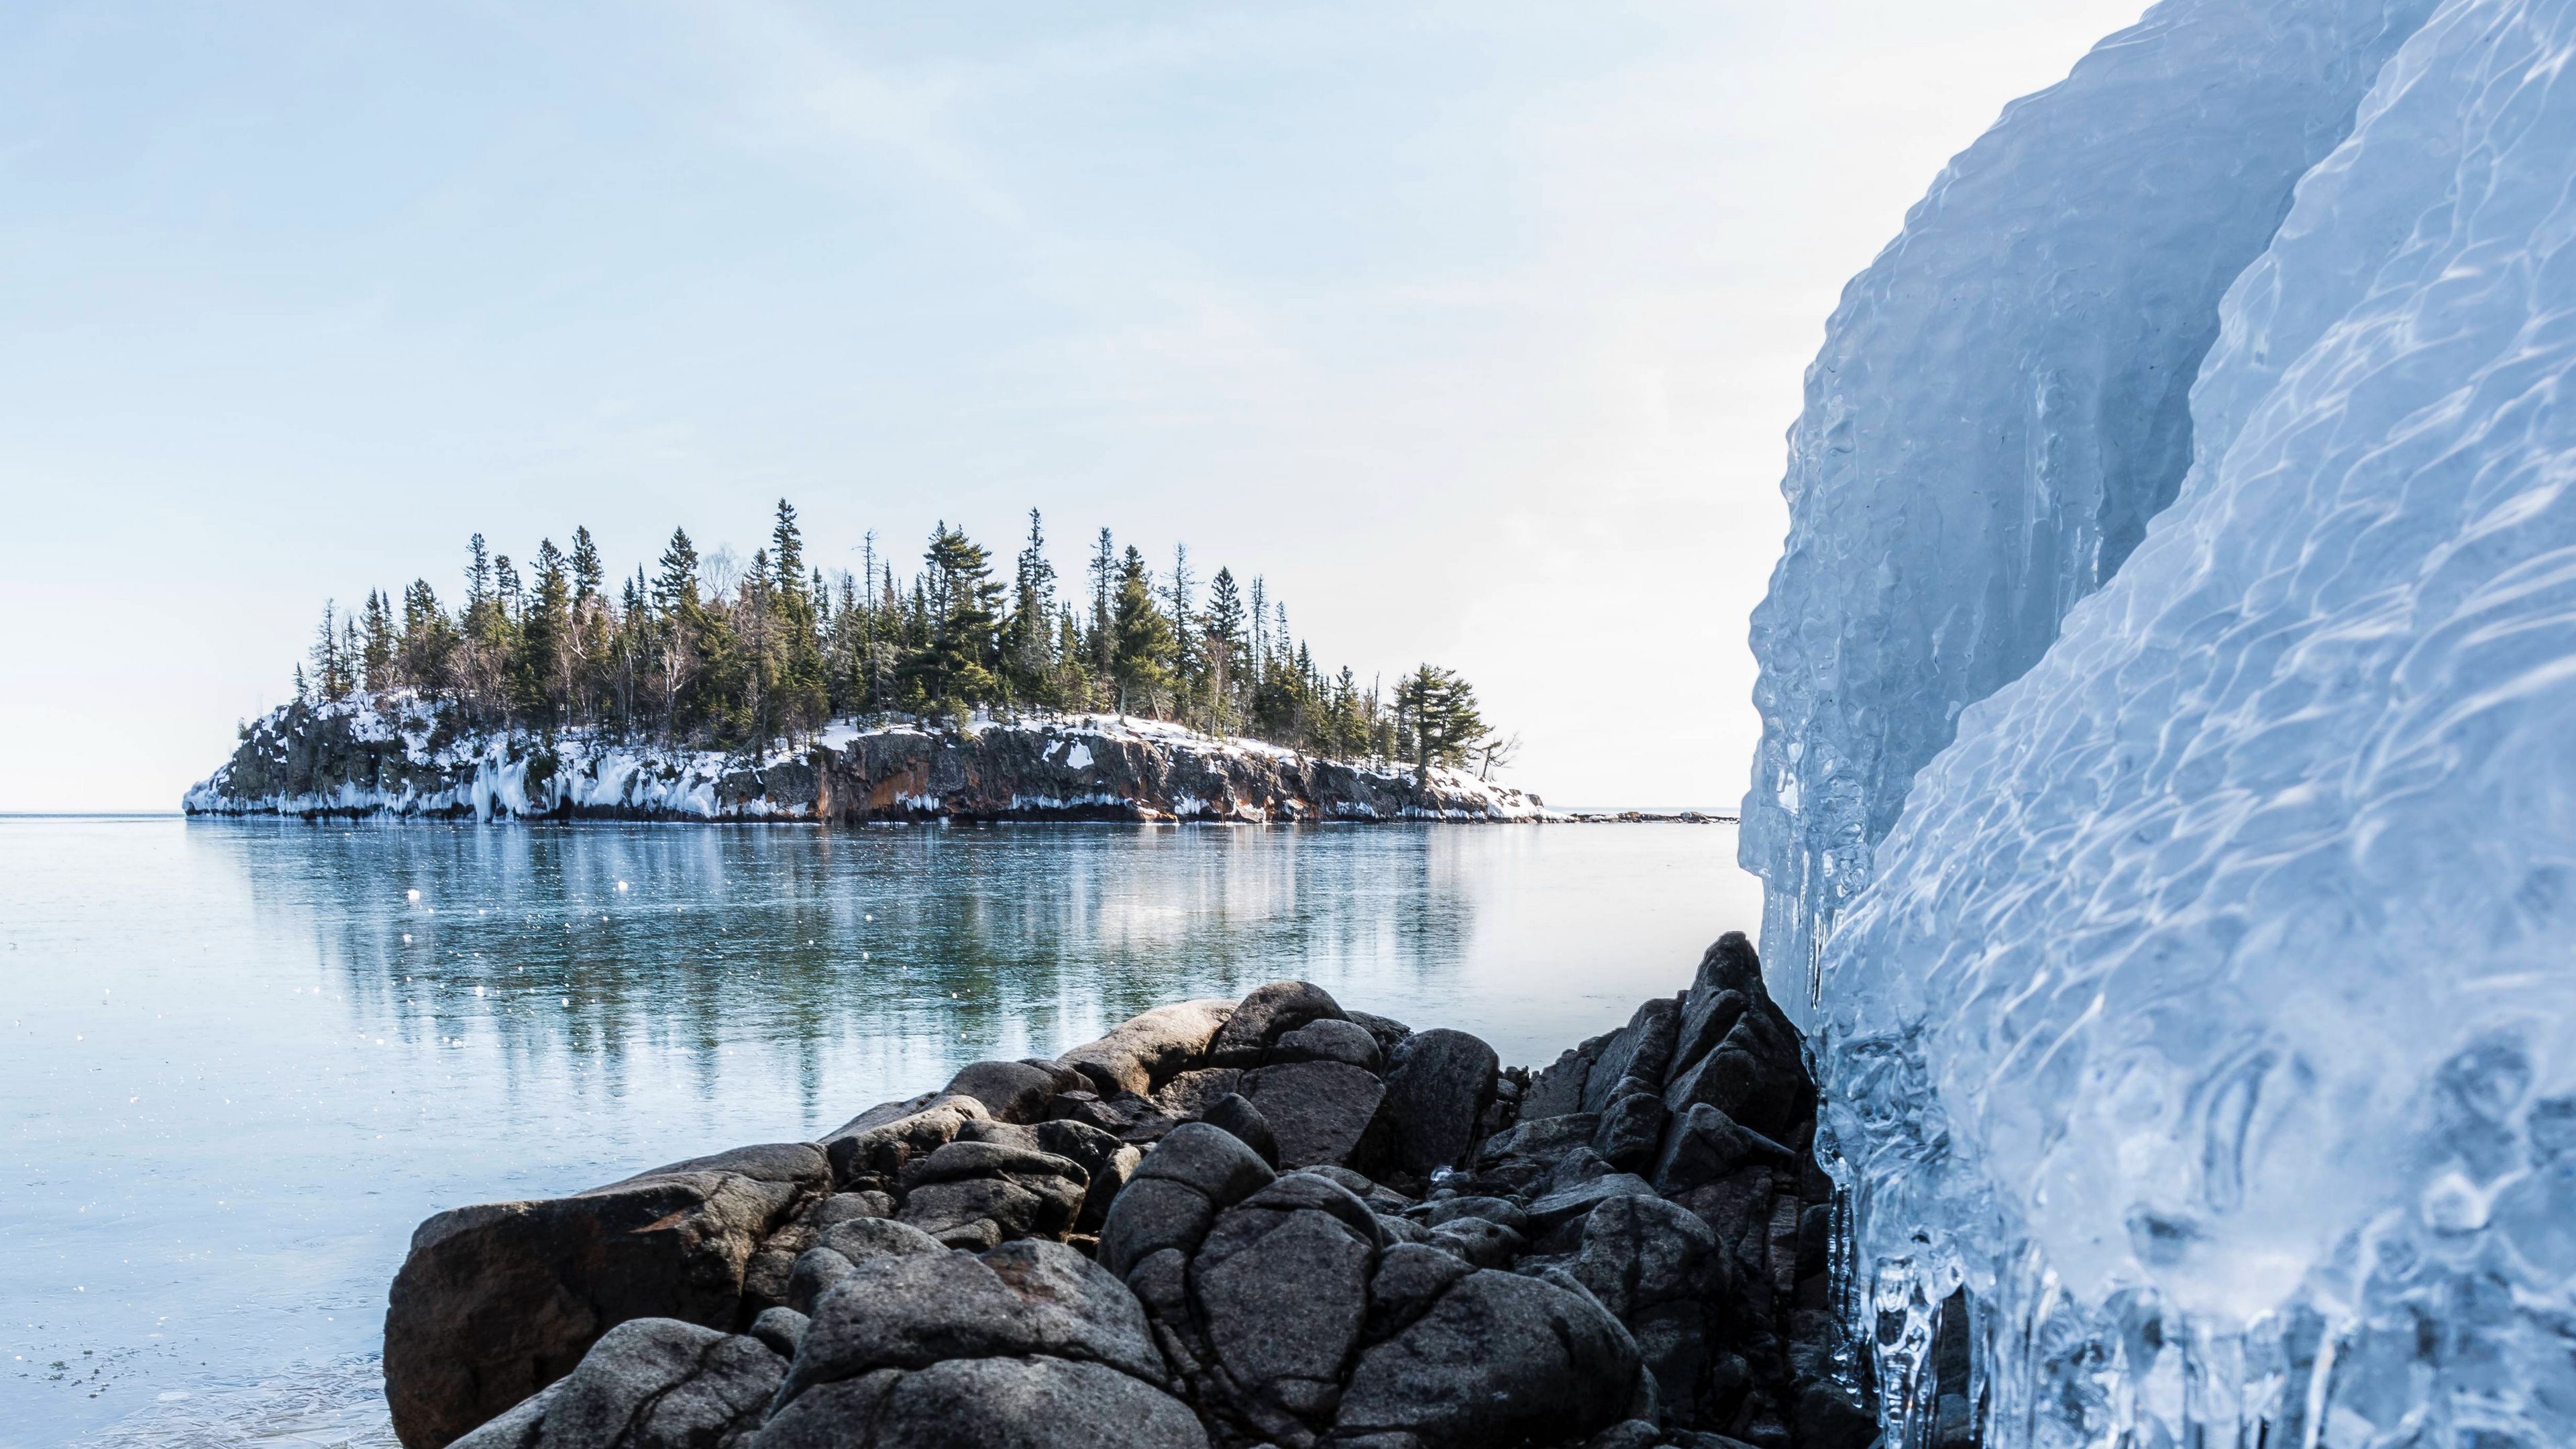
x=1475, y=329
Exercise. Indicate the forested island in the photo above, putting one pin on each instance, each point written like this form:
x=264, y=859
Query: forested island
x=736, y=656
x=710, y=687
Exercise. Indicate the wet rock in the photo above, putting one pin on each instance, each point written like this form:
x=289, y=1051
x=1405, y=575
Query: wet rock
x=1497, y=1359
x=1235, y=1113
x=1439, y=1086
x=1029, y=1297
x=1642, y=1049
x=1329, y=1040
x=496, y=1301
x=1010, y=1091
x=845, y=1244
x=1386, y=1029
x=1478, y=1241
x=1148, y=1050
x=1704, y=1145
x=651, y=1383
x=1266, y=1015
x=780, y=1328
x=1176, y=1192
x=1557, y=1089
x=1190, y=1094
x=1281, y=1289
x=1632, y=1127
x=1492, y=1209
x=976, y=1195
x=1319, y=1112
x=987, y=1403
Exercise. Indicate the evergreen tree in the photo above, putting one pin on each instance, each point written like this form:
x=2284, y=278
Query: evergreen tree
x=1029, y=641
x=961, y=616
x=1141, y=663
x=1104, y=606
x=801, y=693
x=1437, y=710
x=1222, y=647
x=377, y=657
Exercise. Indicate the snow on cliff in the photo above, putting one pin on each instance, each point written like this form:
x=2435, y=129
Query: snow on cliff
x=394, y=756
x=2207, y=1006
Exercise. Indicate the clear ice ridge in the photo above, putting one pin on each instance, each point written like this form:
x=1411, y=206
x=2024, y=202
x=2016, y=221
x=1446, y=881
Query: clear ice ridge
x=2170, y=797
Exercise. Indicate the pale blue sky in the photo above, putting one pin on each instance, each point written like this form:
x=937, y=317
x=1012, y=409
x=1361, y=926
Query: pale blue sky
x=1474, y=327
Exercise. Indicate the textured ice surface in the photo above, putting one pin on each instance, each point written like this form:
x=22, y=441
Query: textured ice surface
x=2002, y=403
x=2213, y=1014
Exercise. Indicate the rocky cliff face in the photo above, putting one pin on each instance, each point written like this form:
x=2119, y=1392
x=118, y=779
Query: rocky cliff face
x=400, y=757
x=1267, y=1224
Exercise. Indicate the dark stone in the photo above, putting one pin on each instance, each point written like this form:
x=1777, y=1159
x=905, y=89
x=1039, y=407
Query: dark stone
x=1544, y=1138
x=1106, y=1183
x=495, y=1302
x=1330, y=1041
x=1176, y=1193
x=780, y=1328
x=1438, y=1087
x=1235, y=1113
x=844, y=1244
x=1578, y=1201
x=1386, y=1029
x=1728, y=966
x=1492, y=1209
x=1028, y=1297
x=1410, y=1277
x=1558, y=1088
x=657, y=1383
x=1282, y=1289
x=1631, y=1129
x=1318, y=1111
x=1829, y=1418
x=1753, y=1075
x=1010, y=1091
x=1704, y=1145
x=1641, y=1049
x=1498, y=1359
x=1738, y=1207
x=1478, y=1241
x=1266, y=1015
x=843, y=1207
x=987, y=1403
x=1663, y=1273
x=1191, y=1093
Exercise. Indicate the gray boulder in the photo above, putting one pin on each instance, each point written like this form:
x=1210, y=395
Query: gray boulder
x=1661, y=1272
x=649, y=1383
x=975, y=1195
x=1281, y=1293
x=843, y=1245
x=1329, y=1040
x=1266, y=1015
x=1235, y=1113
x=1148, y=1050
x=1642, y=1049
x=1027, y=1297
x=987, y=1403
x=1437, y=1091
x=1176, y=1192
x=1497, y=1359
x=1632, y=1128
x=1320, y=1112
x=495, y=1302
x=1704, y=1145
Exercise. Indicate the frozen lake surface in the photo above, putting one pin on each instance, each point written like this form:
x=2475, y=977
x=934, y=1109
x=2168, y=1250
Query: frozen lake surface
x=242, y=1060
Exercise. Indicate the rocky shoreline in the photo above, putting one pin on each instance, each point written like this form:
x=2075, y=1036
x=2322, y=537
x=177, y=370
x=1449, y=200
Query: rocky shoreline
x=399, y=757
x=1225, y=1224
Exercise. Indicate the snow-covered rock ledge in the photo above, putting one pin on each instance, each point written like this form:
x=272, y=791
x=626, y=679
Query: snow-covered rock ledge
x=402, y=757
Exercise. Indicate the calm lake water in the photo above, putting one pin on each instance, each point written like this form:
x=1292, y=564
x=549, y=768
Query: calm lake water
x=242, y=1060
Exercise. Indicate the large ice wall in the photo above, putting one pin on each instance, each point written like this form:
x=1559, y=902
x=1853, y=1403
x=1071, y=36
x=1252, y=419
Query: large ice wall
x=2002, y=403
x=2213, y=1014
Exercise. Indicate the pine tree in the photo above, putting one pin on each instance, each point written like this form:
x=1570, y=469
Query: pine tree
x=961, y=606
x=1142, y=661
x=1104, y=606
x=1029, y=646
x=802, y=693
x=542, y=678
x=377, y=652
x=1438, y=711
x=1223, y=648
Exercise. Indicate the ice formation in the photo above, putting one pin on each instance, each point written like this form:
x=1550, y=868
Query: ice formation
x=2210, y=1014
x=2002, y=403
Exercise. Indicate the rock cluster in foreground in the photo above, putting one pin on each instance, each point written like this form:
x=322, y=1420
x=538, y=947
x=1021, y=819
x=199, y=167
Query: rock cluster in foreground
x=1272, y=1222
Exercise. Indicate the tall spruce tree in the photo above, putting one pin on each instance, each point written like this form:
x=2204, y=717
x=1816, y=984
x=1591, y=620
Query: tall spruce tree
x=1142, y=662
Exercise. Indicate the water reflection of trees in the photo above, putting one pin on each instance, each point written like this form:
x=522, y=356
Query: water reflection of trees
x=892, y=952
